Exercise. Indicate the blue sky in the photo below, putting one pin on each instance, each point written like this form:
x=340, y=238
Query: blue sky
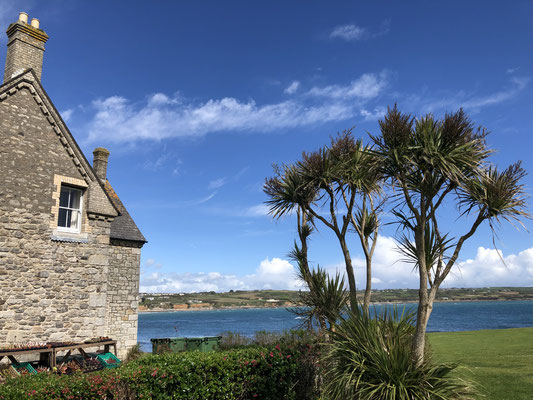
x=197, y=100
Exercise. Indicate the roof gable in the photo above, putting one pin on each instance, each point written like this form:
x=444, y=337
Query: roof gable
x=99, y=202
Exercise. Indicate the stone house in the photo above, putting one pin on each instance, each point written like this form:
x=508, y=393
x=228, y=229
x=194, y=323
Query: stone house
x=69, y=250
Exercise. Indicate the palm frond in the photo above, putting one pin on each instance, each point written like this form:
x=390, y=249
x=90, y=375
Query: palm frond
x=287, y=190
x=501, y=195
x=436, y=248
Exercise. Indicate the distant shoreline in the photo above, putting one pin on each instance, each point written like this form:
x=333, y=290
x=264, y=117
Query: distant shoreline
x=162, y=310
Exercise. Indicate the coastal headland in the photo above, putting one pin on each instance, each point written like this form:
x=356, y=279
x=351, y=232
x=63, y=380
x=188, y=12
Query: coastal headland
x=238, y=299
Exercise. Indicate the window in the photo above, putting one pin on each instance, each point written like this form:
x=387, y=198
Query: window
x=70, y=201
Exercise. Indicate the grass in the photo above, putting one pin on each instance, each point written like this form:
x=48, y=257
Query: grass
x=500, y=362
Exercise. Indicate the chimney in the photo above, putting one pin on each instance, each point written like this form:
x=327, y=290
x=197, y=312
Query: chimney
x=25, y=47
x=100, y=162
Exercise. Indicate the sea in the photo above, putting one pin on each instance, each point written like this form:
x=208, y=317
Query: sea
x=446, y=317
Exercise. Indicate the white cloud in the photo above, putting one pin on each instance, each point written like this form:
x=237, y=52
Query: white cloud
x=159, y=99
x=217, y=183
x=67, y=114
x=189, y=282
x=119, y=120
x=348, y=32
x=374, y=115
x=149, y=262
x=486, y=269
x=470, y=101
x=292, y=88
x=517, y=85
x=352, y=32
x=274, y=273
x=367, y=86
x=258, y=210
x=202, y=200
x=156, y=164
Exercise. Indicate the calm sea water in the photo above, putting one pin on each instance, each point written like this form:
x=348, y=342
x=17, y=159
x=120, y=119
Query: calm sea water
x=445, y=317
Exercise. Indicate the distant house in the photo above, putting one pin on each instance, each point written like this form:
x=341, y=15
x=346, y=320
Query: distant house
x=69, y=249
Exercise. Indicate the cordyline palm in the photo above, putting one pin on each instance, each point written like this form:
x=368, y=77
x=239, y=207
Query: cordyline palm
x=329, y=178
x=357, y=171
x=323, y=302
x=429, y=161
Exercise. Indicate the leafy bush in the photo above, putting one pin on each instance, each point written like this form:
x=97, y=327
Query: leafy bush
x=370, y=358
x=269, y=373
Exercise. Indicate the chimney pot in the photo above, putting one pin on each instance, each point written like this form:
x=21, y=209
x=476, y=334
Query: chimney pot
x=25, y=47
x=100, y=162
x=23, y=17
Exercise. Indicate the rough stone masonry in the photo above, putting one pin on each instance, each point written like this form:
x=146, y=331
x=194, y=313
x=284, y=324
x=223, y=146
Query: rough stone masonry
x=69, y=269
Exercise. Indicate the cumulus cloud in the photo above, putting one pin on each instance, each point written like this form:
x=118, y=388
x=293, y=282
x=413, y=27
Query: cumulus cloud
x=485, y=269
x=292, y=88
x=389, y=272
x=274, y=273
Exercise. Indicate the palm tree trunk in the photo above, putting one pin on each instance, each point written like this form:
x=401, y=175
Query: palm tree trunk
x=368, y=288
x=349, y=273
x=425, y=307
x=422, y=315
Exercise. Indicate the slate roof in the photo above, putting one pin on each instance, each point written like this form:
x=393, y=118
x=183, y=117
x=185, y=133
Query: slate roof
x=123, y=227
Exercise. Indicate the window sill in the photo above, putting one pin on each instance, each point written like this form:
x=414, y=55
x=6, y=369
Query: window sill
x=62, y=236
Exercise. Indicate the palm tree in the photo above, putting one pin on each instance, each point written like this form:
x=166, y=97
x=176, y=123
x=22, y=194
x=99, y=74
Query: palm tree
x=357, y=171
x=324, y=301
x=333, y=179
x=430, y=162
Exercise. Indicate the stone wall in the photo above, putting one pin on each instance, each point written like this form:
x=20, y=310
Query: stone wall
x=123, y=294
x=53, y=288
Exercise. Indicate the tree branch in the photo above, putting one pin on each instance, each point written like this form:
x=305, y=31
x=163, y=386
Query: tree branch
x=480, y=218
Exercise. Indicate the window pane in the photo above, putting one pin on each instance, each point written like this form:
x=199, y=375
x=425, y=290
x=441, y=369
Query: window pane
x=75, y=199
x=68, y=218
x=64, y=197
x=70, y=208
x=62, y=221
x=74, y=219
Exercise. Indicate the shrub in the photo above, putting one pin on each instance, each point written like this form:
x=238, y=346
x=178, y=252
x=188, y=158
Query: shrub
x=266, y=373
x=370, y=358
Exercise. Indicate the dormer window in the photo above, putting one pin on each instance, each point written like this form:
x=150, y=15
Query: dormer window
x=70, y=203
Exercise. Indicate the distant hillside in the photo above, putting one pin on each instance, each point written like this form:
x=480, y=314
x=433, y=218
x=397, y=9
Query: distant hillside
x=288, y=298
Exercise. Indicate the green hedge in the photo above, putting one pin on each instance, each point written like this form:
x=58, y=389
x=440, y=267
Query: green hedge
x=266, y=373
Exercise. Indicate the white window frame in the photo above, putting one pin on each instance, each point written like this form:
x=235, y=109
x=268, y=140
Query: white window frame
x=76, y=229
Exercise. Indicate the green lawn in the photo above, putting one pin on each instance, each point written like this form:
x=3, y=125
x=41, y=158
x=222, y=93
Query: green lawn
x=500, y=362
